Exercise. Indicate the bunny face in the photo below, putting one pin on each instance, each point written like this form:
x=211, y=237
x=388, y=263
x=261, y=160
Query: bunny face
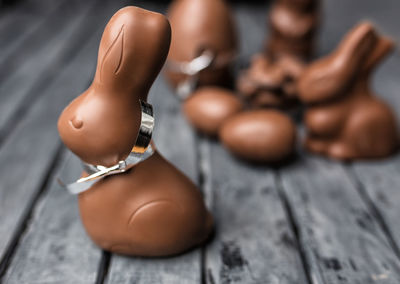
x=102, y=124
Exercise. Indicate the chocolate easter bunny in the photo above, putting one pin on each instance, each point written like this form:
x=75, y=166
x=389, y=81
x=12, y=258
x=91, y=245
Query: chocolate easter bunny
x=270, y=83
x=203, y=44
x=148, y=208
x=344, y=119
x=293, y=25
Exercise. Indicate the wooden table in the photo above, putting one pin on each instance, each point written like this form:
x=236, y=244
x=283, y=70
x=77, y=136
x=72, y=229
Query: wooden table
x=312, y=221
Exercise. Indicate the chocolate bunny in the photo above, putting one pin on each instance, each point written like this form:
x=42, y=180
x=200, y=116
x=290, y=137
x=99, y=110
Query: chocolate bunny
x=203, y=44
x=151, y=208
x=344, y=119
x=270, y=83
x=293, y=24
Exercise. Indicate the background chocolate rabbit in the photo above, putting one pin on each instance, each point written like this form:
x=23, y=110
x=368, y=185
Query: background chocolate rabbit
x=344, y=119
x=200, y=27
x=293, y=25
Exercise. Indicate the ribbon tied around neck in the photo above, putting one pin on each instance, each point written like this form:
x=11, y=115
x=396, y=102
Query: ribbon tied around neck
x=142, y=150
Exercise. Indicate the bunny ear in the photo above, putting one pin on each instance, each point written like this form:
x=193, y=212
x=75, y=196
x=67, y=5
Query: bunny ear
x=382, y=49
x=359, y=42
x=111, y=63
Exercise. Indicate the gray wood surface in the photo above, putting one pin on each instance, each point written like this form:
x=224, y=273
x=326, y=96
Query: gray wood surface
x=55, y=247
x=254, y=242
x=41, y=64
x=14, y=44
x=314, y=220
x=251, y=24
x=342, y=240
x=31, y=149
x=14, y=19
x=379, y=184
x=60, y=227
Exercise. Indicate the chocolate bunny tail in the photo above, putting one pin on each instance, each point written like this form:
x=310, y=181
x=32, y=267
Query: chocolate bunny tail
x=330, y=76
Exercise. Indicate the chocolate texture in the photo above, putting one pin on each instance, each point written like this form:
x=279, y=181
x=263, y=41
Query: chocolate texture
x=208, y=107
x=200, y=26
x=151, y=209
x=344, y=119
x=293, y=25
x=270, y=83
x=262, y=136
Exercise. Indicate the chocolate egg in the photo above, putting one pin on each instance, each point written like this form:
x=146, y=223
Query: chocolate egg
x=259, y=135
x=208, y=107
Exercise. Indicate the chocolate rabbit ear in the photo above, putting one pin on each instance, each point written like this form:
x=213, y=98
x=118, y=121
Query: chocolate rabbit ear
x=382, y=49
x=111, y=58
x=133, y=49
x=330, y=76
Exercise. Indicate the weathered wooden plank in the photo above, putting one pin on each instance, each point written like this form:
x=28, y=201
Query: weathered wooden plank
x=176, y=141
x=21, y=87
x=14, y=20
x=251, y=25
x=55, y=248
x=20, y=44
x=378, y=183
x=27, y=154
x=254, y=242
x=343, y=242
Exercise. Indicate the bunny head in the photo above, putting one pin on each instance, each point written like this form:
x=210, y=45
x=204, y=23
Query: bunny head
x=334, y=75
x=102, y=124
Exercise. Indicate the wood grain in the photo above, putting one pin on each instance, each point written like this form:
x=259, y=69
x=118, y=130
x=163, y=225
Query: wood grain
x=41, y=65
x=342, y=240
x=55, y=247
x=254, y=242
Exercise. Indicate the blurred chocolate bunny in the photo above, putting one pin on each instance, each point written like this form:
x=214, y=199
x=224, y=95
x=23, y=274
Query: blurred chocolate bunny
x=203, y=44
x=344, y=119
x=293, y=25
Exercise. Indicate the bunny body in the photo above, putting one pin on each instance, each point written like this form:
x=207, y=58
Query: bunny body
x=151, y=209
x=345, y=120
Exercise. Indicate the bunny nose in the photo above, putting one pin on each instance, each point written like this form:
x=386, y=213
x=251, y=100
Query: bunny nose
x=76, y=123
